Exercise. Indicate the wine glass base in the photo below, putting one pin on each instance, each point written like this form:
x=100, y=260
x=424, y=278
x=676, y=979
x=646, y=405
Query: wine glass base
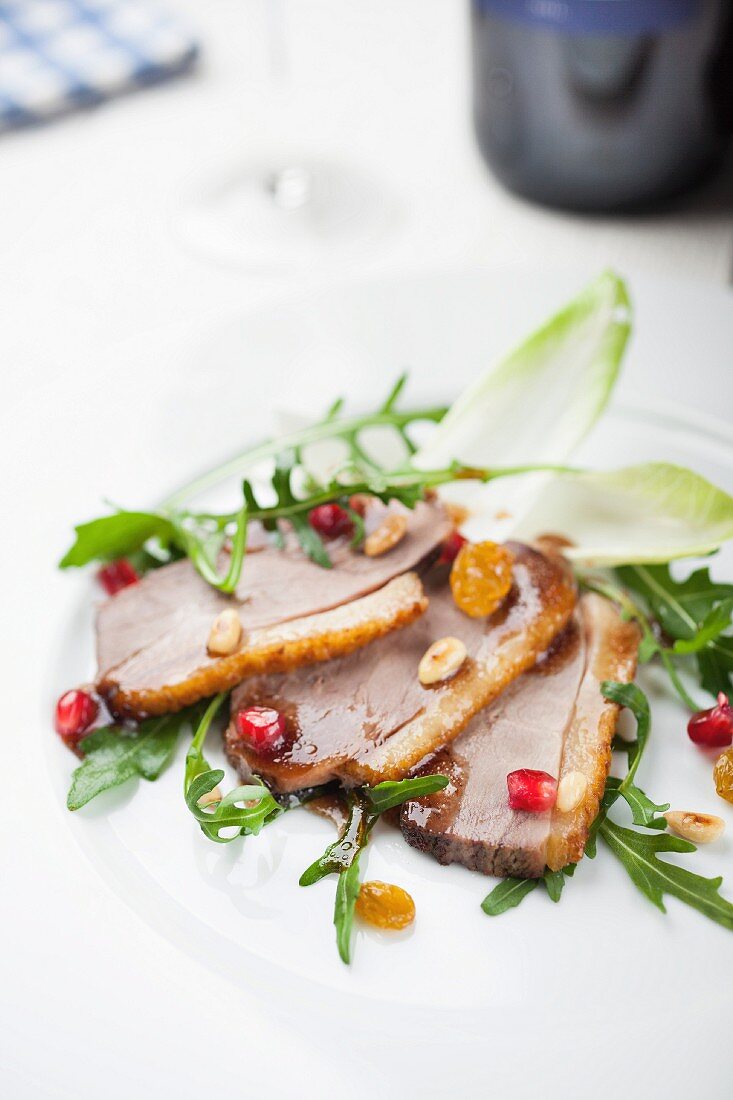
x=276, y=215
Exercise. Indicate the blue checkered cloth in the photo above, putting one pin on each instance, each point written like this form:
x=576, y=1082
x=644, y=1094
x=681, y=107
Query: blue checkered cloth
x=60, y=55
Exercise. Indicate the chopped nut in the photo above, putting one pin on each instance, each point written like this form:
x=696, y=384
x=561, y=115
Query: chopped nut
x=391, y=530
x=210, y=798
x=458, y=513
x=441, y=661
x=571, y=791
x=699, y=828
x=225, y=634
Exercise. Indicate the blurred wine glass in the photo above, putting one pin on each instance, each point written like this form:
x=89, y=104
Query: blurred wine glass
x=284, y=207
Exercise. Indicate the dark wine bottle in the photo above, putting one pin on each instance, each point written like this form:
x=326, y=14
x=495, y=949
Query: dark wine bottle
x=602, y=105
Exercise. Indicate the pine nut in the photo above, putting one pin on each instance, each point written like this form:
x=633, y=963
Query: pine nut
x=210, y=798
x=571, y=792
x=391, y=530
x=441, y=661
x=225, y=634
x=699, y=828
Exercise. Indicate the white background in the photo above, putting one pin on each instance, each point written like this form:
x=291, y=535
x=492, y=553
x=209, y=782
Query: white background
x=93, y=1002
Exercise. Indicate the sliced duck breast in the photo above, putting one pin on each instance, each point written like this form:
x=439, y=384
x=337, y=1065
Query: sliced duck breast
x=553, y=719
x=152, y=637
x=367, y=717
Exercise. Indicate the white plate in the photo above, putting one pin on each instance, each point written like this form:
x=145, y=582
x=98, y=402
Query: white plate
x=462, y=1002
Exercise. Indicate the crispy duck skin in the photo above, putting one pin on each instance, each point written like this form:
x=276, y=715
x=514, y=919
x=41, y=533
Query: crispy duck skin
x=541, y=604
x=612, y=652
x=471, y=822
x=553, y=719
x=152, y=637
x=284, y=646
x=344, y=717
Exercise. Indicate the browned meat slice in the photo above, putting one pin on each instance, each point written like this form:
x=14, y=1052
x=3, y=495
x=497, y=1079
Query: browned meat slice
x=554, y=713
x=613, y=647
x=367, y=717
x=152, y=637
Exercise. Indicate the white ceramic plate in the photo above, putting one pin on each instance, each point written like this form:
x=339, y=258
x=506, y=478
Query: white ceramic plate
x=532, y=1001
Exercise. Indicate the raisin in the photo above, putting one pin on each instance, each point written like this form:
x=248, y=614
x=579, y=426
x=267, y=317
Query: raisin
x=385, y=905
x=723, y=775
x=481, y=578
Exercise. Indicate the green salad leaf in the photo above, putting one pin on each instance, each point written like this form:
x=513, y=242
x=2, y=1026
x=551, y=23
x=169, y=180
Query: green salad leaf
x=347, y=891
x=638, y=849
x=639, y=852
x=696, y=616
x=542, y=399
x=246, y=809
x=196, y=762
x=654, y=512
x=509, y=893
x=116, y=536
x=113, y=754
x=341, y=858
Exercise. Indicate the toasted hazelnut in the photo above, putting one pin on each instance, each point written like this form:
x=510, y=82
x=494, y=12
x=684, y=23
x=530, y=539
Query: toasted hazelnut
x=210, y=798
x=391, y=530
x=441, y=661
x=571, y=791
x=225, y=634
x=699, y=828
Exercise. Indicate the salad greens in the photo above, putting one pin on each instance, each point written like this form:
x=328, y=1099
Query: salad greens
x=341, y=858
x=544, y=397
x=114, y=754
x=202, y=536
x=625, y=526
x=637, y=851
x=654, y=512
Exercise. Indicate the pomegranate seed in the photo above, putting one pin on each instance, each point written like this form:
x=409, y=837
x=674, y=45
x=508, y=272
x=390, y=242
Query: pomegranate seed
x=262, y=727
x=75, y=712
x=451, y=546
x=713, y=728
x=331, y=521
x=531, y=790
x=116, y=576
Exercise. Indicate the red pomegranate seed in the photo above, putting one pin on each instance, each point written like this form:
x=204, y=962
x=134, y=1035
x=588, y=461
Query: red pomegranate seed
x=262, y=727
x=330, y=521
x=75, y=712
x=116, y=576
x=531, y=790
x=451, y=546
x=713, y=728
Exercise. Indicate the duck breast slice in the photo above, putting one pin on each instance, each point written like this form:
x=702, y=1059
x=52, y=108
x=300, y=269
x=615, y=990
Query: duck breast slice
x=553, y=719
x=152, y=637
x=366, y=717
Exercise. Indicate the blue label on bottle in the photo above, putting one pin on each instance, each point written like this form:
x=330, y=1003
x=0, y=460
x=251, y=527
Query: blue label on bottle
x=596, y=16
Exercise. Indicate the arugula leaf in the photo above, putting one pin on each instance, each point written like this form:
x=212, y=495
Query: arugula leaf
x=507, y=895
x=632, y=697
x=717, y=620
x=112, y=755
x=248, y=808
x=554, y=882
x=643, y=810
x=638, y=852
x=341, y=858
x=694, y=613
x=391, y=793
x=347, y=891
x=196, y=763
x=116, y=536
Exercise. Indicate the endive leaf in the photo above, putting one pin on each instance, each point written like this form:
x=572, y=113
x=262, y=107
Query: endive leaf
x=539, y=402
x=654, y=512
